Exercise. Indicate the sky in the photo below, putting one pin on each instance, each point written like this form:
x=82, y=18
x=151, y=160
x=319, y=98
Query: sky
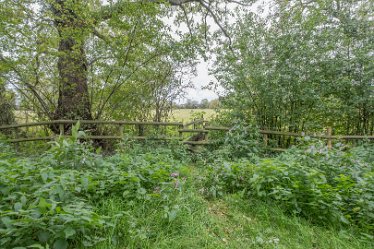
x=203, y=78
x=199, y=82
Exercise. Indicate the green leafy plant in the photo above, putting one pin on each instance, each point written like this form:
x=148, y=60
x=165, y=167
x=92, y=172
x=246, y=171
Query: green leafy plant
x=326, y=186
x=49, y=201
x=72, y=152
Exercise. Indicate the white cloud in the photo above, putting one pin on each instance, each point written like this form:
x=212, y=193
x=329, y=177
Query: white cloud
x=199, y=82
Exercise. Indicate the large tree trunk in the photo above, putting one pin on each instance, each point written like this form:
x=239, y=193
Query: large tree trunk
x=73, y=99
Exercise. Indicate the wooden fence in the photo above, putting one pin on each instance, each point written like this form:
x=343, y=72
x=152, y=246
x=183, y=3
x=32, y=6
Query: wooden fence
x=198, y=126
x=61, y=124
x=328, y=136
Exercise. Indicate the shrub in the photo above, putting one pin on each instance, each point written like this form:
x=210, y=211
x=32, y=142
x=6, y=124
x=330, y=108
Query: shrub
x=49, y=201
x=325, y=186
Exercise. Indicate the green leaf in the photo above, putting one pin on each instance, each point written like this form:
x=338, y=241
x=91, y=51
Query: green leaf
x=43, y=236
x=17, y=206
x=36, y=246
x=61, y=244
x=43, y=205
x=7, y=221
x=44, y=176
x=23, y=200
x=69, y=231
x=172, y=215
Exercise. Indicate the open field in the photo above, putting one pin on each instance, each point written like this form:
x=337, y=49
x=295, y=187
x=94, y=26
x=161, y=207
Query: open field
x=180, y=115
x=186, y=115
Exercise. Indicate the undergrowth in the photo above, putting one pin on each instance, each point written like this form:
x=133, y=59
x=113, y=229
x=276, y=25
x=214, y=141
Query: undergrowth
x=148, y=195
x=51, y=201
x=329, y=187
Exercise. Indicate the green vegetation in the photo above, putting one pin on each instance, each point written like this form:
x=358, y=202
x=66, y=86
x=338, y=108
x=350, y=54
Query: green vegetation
x=142, y=197
x=295, y=66
x=188, y=114
x=326, y=187
x=303, y=66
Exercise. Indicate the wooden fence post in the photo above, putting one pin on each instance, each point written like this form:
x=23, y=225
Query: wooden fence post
x=141, y=130
x=180, y=127
x=206, y=135
x=266, y=139
x=329, y=140
x=120, y=130
x=27, y=121
x=61, y=127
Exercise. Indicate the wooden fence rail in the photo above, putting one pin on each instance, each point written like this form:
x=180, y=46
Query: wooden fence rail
x=52, y=122
x=328, y=136
x=181, y=129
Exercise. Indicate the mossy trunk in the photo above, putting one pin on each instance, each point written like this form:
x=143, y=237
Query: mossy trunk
x=73, y=98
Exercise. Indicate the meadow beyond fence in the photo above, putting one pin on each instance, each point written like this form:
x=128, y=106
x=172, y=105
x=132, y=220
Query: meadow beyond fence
x=198, y=131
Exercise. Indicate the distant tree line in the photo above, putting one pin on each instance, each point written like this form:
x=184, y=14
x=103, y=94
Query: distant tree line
x=203, y=104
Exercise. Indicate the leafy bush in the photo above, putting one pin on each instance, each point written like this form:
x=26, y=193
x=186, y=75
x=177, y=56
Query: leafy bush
x=5, y=149
x=325, y=186
x=49, y=201
x=243, y=140
x=72, y=152
x=172, y=149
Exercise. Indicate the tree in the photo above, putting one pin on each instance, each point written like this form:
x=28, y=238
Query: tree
x=59, y=32
x=7, y=104
x=204, y=103
x=306, y=66
x=150, y=95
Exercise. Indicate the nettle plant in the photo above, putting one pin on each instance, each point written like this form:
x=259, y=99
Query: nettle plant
x=50, y=201
x=326, y=186
x=72, y=152
x=40, y=207
x=243, y=140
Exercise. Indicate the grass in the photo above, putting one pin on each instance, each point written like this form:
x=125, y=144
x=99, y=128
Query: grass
x=231, y=222
x=185, y=115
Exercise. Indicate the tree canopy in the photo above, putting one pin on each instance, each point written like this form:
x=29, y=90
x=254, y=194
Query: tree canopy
x=305, y=66
x=94, y=53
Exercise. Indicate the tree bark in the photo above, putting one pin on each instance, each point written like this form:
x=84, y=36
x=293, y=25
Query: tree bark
x=73, y=100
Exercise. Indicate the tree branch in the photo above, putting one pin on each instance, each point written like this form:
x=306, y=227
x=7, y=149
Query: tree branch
x=108, y=11
x=30, y=87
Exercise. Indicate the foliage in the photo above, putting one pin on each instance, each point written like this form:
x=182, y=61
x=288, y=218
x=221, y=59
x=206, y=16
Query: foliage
x=325, y=186
x=7, y=105
x=243, y=140
x=302, y=66
x=94, y=59
x=72, y=152
x=145, y=197
x=51, y=200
